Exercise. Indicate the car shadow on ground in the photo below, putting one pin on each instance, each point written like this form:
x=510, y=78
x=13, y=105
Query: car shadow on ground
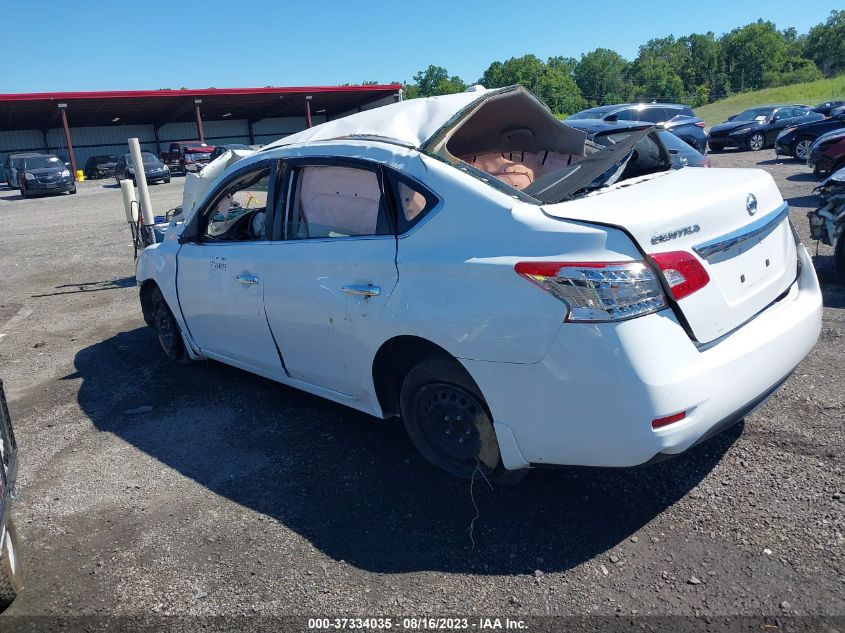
x=802, y=177
x=90, y=286
x=11, y=194
x=810, y=201
x=353, y=485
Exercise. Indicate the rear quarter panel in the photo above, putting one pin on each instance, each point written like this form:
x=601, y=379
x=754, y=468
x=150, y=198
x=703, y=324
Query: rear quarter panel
x=457, y=286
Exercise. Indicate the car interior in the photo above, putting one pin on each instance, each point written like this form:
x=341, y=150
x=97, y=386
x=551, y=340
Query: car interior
x=239, y=211
x=516, y=139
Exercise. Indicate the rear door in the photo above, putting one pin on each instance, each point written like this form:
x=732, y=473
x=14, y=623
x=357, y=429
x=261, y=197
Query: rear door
x=733, y=221
x=331, y=272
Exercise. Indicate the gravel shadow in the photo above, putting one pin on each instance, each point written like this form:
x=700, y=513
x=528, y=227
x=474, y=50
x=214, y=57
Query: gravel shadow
x=353, y=485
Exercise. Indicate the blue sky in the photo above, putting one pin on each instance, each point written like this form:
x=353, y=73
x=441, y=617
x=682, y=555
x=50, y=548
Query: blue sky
x=257, y=43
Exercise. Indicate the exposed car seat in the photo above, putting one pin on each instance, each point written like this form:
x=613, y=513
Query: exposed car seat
x=520, y=169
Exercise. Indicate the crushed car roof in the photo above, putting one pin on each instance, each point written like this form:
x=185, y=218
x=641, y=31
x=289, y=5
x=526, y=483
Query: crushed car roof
x=410, y=122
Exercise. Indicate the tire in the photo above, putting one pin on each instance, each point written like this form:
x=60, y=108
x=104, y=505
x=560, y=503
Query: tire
x=166, y=180
x=24, y=194
x=839, y=255
x=167, y=330
x=716, y=148
x=73, y=191
x=756, y=142
x=449, y=423
x=11, y=571
x=801, y=148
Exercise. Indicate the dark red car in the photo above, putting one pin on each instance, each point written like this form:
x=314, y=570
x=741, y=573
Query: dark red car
x=829, y=158
x=185, y=156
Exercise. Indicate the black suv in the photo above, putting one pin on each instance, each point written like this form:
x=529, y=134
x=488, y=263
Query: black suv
x=757, y=128
x=796, y=141
x=675, y=117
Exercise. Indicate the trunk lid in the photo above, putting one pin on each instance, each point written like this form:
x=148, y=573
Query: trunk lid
x=751, y=258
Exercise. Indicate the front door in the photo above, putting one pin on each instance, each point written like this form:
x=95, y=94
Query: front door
x=331, y=274
x=222, y=273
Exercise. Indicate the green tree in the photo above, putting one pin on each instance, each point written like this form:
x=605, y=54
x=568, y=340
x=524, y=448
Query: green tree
x=825, y=44
x=600, y=74
x=752, y=50
x=551, y=82
x=435, y=80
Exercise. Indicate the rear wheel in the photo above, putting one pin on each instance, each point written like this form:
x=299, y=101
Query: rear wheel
x=756, y=142
x=11, y=572
x=801, y=149
x=167, y=330
x=449, y=423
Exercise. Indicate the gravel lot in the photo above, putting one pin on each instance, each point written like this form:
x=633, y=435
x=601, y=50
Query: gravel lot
x=236, y=495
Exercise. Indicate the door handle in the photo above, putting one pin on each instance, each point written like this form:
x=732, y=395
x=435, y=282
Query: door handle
x=362, y=290
x=247, y=279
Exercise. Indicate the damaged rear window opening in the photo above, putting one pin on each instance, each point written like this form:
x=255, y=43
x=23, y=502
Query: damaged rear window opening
x=531, y=155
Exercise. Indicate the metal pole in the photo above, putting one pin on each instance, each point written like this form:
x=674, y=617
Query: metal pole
x=251, y=133
x=62, y=107
x=308, y=111
x=143, y=192
x=197, y=103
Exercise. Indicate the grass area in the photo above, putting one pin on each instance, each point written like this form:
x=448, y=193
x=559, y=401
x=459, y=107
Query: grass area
x=809, y=94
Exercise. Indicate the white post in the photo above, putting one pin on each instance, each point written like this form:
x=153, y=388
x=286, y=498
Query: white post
x=141, y=179
x=129, y=201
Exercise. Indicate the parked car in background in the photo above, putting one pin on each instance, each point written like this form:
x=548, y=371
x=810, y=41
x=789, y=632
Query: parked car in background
x=828, y=157
x=100, y=166
x=837, y=111
x=757, y=128
x=10, y=170
x=827, y=223
x=796, y=140
x=43, y=174
x=608, y=133
x=154, y=169
x=432, y=254
x=221, y=149
x=675, y=117
x=826, y=107
x=185, y=156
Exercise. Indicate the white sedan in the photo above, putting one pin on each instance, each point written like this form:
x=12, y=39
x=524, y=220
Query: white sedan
x=517, y=295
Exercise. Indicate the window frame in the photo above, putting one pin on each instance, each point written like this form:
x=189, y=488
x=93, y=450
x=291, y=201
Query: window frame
x=288, y=185
x=432, y=201
x=194, y=233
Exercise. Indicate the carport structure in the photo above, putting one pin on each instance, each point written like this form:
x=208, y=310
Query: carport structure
x=76, y=125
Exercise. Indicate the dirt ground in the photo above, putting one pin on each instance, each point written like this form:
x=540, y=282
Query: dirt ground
x=237, y=496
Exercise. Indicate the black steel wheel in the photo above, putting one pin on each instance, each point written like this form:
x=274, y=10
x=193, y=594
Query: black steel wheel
x=447, y=419
x=756, y=142
x=167, y=330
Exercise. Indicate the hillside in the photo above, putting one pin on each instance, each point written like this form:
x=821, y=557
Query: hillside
x=807, y=93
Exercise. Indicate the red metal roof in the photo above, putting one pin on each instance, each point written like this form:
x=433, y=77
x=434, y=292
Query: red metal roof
x=38, y=110
x=200, y=92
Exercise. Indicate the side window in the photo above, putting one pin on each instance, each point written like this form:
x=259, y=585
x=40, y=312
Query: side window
x=238, y=212
x=329, y=201
x=413, y=202
x=653, y=115
x=627, y=115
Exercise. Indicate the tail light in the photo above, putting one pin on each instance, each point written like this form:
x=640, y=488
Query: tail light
x=598, y=291
x=700, y=124
x=683, y=273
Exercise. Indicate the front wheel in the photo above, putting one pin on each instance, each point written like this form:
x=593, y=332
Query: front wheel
x=11, y=572
x=167, y=330
x=801, y=149
x=756, y=142
x=73, y=191
x=447, y=419
x=839, y=255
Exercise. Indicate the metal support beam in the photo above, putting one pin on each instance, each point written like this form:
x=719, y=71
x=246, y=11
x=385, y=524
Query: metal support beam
x=251, y=133
x=158, y=141
x=46, y=144
x=62, y=108
x=200, y=132
x=308, y=111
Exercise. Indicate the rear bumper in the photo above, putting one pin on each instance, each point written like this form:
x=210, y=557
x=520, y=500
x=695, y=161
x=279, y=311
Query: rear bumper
x=591, y=400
